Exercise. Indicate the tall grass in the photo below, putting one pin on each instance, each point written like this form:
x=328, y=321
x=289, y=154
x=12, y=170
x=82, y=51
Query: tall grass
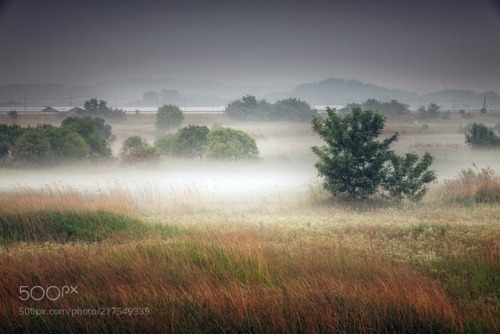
x=470, y=187
x=200, y=287
x=311, y=268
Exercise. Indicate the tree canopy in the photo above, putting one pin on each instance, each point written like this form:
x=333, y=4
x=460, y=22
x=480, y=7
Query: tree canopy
x=168, y=117
x=249, y=108
x=479, y=135
x=230, y=144
x=354, y=163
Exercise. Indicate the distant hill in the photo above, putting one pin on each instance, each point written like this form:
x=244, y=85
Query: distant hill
x=339, y=92
x=333, y=92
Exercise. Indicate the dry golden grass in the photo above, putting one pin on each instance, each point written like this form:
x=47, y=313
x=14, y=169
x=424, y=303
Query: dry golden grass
x=293, y=267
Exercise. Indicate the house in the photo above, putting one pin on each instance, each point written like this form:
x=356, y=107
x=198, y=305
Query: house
x=75, y=110
x=50, y=109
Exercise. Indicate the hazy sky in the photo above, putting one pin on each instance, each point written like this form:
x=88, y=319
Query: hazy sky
x=396, y=43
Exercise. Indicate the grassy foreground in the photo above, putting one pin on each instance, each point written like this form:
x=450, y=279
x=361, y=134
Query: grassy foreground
x=432, y=267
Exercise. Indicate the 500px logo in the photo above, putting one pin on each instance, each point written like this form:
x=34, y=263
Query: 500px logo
x=52, y=292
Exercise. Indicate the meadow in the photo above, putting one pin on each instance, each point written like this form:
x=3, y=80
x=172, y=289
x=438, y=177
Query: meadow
x=204, y=247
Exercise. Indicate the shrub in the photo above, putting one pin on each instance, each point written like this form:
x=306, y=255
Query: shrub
x=471, y=187
x=479, y=135
x=137, y=150
x=354, y=164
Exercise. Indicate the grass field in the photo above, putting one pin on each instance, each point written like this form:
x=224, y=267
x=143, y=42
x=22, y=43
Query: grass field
x=147, y=254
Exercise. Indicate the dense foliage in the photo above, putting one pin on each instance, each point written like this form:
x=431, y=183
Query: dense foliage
x=99, y=108
x=136, y=150
x=432, y=110
x=95, y=131
x=392, y=107
x=196, y=141
x=76, y=139
x=479, y=135
x=355, y=164
x=249, y=108
x=168, y=117
x=230, y=144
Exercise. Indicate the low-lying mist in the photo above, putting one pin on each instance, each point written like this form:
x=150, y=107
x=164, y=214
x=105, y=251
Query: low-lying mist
x=199, y=185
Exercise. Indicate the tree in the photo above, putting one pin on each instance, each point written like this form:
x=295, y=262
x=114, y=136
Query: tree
x=96, y=133
x=165, y=144
x=292, y=109
x=47, y=144
x=13, y=115
x=394, y=107
x=137, y=150
x=479, y=135
x=248, y=108
x=65, y=144
x=230, y=144
x=432, y=110
x=191, y=141
x=355, y=164
x=33, y=146
x=168, y=117
x=8, y=137
x=95, y=107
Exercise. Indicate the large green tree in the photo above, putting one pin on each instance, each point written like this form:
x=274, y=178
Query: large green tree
x=96, y=133
x=354, y=163
x=47, y=145
x=191, y=141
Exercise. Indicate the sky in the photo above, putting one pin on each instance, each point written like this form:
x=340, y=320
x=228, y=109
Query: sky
x=427, y=44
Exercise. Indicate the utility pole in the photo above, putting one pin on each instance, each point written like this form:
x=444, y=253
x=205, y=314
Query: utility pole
x=484, y=103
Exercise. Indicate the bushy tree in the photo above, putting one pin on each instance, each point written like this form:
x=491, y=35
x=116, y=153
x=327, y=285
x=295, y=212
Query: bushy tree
x=8, y=137
x=169, y=116
x=292, y=109
x=393, y=107
x=191, y=141
x=96, y=133
x=95, y=107
x=13, y=115
x=46, y=144
x=65, y=144
x=33, y=147
x=248, y=108
x=165, y=144
x=355, y=164
x=136, y=150
x=230, y=144
x=479, y=135
x=433, y=110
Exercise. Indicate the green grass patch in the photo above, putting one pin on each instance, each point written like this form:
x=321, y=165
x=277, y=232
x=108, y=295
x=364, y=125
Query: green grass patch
x=65, y=226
